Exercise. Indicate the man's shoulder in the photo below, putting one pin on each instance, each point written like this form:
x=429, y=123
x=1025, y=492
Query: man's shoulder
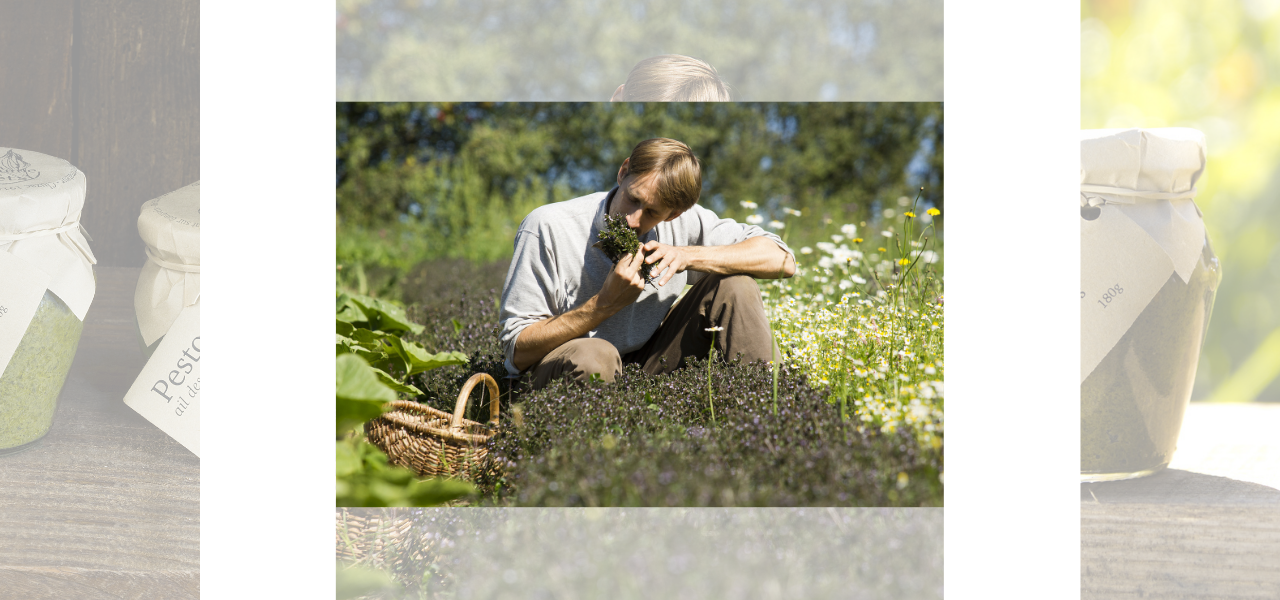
x=688, y=228
x=578, y=210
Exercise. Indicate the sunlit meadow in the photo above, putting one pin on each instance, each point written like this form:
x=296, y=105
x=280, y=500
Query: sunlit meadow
x=851, y=414
x=863, y=317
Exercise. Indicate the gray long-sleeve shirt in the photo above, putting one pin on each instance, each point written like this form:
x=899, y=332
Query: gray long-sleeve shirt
x=555, y=268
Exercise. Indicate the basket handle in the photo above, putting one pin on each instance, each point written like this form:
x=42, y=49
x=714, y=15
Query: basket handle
x=466, y=391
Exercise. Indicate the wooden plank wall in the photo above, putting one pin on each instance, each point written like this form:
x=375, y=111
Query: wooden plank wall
x=114, y=87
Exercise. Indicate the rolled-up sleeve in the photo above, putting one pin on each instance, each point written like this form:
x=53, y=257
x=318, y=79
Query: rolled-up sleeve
x=714, y=231
x=531, y=290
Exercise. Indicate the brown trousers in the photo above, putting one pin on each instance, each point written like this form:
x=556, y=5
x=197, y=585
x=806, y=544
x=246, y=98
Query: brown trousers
x=729, y=301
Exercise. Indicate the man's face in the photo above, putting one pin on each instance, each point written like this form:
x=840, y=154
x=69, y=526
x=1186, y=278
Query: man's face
x=637, y=200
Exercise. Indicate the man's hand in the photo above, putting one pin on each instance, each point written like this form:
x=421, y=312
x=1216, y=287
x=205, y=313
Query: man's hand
x=621, y=288
x=673, y=259
x=758, y=257
x=623, y=284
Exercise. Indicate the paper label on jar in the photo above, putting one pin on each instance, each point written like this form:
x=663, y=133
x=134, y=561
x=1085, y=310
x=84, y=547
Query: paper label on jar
x=1121, y=269
x=167, y=392
x=24, y=287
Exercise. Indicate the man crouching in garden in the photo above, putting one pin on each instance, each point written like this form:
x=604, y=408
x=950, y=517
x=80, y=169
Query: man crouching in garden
x=567, y=310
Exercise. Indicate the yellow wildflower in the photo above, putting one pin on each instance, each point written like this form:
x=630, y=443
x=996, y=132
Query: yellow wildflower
x=933, y=212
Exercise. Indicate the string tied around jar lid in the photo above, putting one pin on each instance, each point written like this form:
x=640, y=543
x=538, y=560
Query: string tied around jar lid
x=1089, y=195
x=172, y=266
x=13, y=237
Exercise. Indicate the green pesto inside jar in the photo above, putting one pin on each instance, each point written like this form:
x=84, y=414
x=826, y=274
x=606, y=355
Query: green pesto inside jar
x=1132, y=404
x=33, y=379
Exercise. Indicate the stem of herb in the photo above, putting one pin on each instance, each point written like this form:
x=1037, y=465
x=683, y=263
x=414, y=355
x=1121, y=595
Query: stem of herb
x=776, y=360
x=710, y=354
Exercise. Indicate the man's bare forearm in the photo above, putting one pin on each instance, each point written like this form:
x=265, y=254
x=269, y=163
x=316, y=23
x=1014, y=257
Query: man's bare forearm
x=538, y=339
x=621, y=287
x=758, y=257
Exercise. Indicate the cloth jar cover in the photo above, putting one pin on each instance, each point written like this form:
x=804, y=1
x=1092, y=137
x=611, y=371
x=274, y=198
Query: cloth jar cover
x=41, y=198
x=1144, y=181
x=170, y=279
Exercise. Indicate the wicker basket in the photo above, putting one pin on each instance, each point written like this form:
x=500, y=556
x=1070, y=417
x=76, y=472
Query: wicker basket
x=434, y=443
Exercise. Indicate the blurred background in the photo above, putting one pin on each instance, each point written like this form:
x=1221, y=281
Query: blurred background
x=1214, y=66
x=418, y=182
x=797, y=50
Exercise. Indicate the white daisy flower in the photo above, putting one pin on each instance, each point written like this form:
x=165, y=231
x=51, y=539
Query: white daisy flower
x=747, y=204
x=755, y=219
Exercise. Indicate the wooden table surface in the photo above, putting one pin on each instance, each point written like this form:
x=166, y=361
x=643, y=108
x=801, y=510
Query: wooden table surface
x=1206, y=527
x=106, y=505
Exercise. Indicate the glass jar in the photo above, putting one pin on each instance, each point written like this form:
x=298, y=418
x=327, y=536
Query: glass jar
x=46, y=273
x=1149, y=277
x=169, y=226
x=1131, y=406
x=33, y=380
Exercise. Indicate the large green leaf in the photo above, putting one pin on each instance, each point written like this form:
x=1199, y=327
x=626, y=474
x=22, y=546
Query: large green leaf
x=345, y=345
x=359, y=391
x=365, y=479
x=345, y=329
x=417, y=359
x=391, y=382
x=371, y=340
x=348, y=312
x=385, y=316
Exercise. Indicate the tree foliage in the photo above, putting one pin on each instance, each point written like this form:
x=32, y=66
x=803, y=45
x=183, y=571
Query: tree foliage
x=455, y=179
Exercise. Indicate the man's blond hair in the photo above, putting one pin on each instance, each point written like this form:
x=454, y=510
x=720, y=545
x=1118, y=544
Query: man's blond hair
x=674, y=78
x=678, y=171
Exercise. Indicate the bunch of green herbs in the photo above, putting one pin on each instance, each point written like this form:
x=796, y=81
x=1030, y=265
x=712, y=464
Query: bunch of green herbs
x=618, y=240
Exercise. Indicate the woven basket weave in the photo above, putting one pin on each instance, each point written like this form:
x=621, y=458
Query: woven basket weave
x=434, y=443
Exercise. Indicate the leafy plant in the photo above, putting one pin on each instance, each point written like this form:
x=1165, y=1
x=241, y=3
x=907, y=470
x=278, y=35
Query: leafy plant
x=866, y=322
x=617, y=240
x=365, y=479
x=368, y=352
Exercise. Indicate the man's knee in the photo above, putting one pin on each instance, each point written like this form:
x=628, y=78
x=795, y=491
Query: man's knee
x=739, y=286
x=592, y=356
x=580, y=359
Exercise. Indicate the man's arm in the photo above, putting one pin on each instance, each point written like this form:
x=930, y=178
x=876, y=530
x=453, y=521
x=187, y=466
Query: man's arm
x=621, y=287
x=758, y=257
